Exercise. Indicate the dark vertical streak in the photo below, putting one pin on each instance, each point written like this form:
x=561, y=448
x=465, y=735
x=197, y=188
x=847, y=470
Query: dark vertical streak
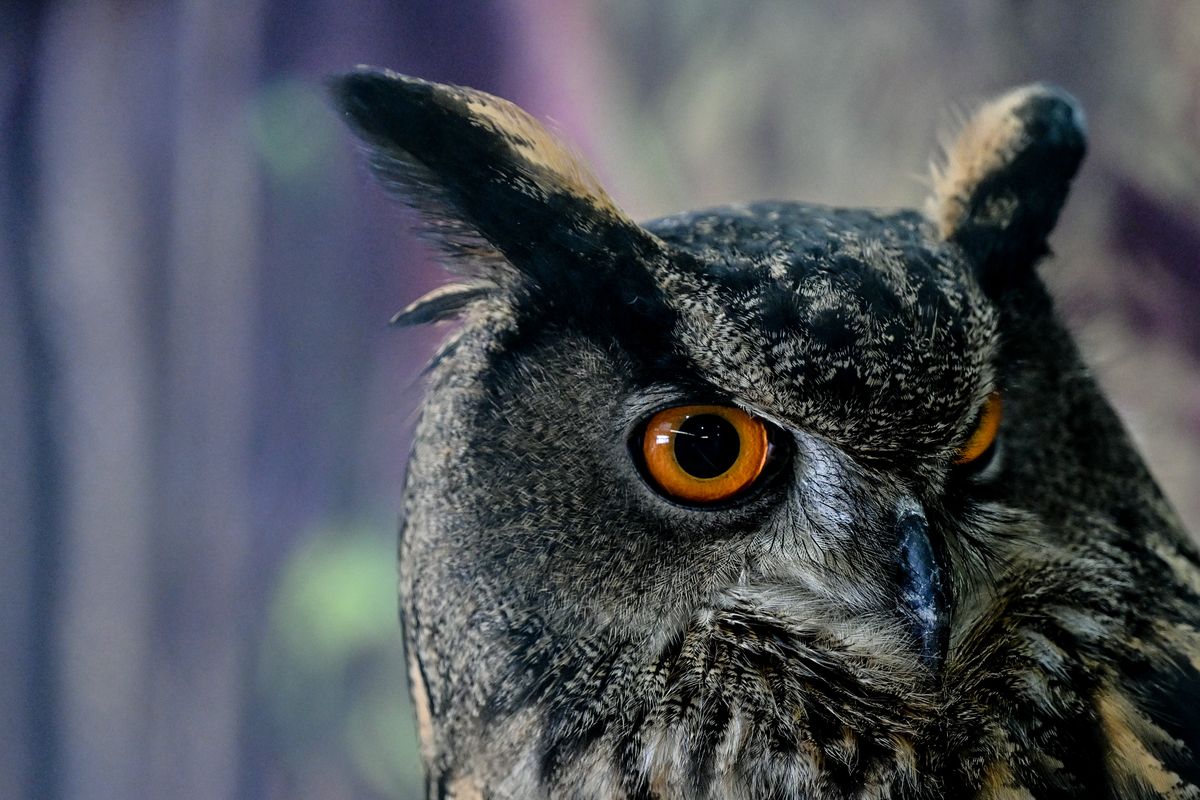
x=38, y=374
x=1163, y=241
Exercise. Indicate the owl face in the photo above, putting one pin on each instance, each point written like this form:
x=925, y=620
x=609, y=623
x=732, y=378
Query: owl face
x=767, y=500
x=859, y=368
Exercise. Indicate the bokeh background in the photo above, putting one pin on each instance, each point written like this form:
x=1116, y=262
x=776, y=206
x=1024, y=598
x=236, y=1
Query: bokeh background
x=204, y=416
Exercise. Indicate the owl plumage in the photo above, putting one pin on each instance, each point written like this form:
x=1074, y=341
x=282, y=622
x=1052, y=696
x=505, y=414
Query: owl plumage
x=883, y=609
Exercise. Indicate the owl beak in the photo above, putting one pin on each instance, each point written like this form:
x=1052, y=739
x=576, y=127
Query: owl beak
x=924, y=587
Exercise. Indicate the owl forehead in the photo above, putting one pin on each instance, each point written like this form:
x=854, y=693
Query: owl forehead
x=852, y=323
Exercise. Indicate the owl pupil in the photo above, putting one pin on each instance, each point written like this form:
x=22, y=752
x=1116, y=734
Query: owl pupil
x=706, y=445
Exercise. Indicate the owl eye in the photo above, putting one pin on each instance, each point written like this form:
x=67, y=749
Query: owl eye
x=984, y=437
x=704, y=454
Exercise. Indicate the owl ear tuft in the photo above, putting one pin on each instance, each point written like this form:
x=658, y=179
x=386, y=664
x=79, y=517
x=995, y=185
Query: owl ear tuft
x=1005, y=177
x=496, y=190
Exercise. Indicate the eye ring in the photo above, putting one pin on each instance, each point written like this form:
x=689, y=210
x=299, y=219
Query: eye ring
x=983, y=438
x=704, y=454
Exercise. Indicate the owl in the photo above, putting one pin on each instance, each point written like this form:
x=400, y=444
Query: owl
x=773, y=500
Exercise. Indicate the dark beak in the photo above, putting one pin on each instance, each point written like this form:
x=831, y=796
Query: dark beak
x=924, y=588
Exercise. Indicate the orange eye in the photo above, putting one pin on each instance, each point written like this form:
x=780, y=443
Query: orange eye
x=704, y=454
x=985, y=431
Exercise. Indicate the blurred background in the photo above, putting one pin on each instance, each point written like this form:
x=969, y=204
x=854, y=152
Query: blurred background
x=205, y=418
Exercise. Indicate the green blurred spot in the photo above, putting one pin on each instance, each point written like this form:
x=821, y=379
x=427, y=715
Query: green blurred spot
x=292, y=128
x=331, y=666
x=378, y=720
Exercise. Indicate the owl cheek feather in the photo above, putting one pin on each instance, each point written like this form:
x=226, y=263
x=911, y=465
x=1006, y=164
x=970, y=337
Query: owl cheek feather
x=1004, y=179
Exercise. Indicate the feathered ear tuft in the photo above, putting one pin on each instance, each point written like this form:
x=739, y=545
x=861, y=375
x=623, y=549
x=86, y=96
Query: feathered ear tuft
x=496, y=190
x=1006, y=175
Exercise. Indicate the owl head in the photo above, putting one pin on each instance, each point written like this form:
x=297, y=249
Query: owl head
x=770, y=500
